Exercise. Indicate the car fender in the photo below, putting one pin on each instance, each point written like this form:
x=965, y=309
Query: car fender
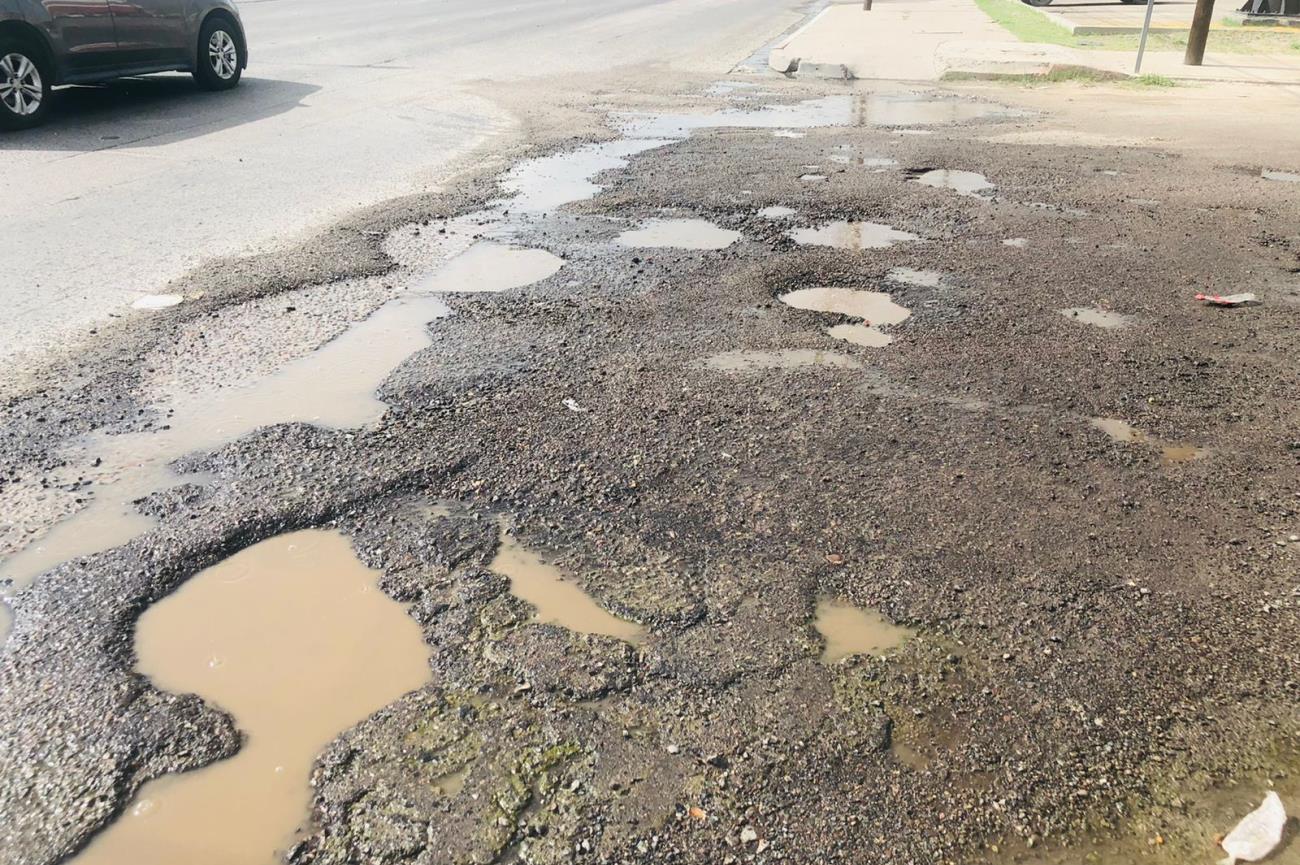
x=197, y=11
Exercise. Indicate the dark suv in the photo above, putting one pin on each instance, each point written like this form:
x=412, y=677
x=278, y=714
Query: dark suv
x=44, y=43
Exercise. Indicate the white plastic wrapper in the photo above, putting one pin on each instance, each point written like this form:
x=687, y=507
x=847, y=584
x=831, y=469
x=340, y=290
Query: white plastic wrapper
x=1257, y=833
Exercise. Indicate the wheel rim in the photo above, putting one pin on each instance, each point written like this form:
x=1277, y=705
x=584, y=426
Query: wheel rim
x=21, y=89
x=223, y=56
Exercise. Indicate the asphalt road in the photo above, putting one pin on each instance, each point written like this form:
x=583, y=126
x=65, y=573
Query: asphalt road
x=345, y=104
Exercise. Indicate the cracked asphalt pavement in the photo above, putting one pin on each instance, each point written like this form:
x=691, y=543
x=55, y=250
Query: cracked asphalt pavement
x=1103, y=660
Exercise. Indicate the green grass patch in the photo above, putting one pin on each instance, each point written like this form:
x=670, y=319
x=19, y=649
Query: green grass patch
x=1029, y=25
x=1067, y=75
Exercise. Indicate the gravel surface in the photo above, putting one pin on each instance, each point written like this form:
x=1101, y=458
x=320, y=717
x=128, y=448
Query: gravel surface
x=1105, y=645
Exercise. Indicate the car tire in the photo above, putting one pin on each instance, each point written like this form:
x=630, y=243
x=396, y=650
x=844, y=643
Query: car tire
x=25, y=79
x=1037, y=2
x=220, y=60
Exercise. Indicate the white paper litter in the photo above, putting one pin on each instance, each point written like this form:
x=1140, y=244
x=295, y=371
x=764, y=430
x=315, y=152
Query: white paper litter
x=1257, y=833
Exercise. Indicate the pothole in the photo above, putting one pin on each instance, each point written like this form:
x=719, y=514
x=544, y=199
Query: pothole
x=848, y=630
x=558, y=600
x=874, y=307
x=490, y=266
x=1171, y=453
x=544, y=184
x=333, y=386
x=791, y=358
x=776, y=212
x=292, y=637
x=1282, y=176
x=157, y=301
x=968, y=183
x=679, y=234
x=851, y=235
x=1103, y=318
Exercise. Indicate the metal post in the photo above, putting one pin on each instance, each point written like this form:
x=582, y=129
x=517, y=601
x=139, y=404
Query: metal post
x=866, y=5
x=1142, y=45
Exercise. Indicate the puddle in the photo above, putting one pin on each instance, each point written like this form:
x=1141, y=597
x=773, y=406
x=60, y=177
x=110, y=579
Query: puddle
x=777, y=212
x=788, y=133
x=835, y=110
x=549, y=182
x=851, y=235
x=849, y=630
x=333, y=386
x=812, y=178
x=679, y=234
x=793, y=358
x=1017, y=242
x=860, y=334
x=863, y=161
x=1103, y=318
x=910, y=276
x=489, y=266
x=875, y=307
x=294, y=638
x=157, y=301
x=1283, y=176
x=1118, y=430
x=969, y=183
x=557, y=599
x=1171, y=454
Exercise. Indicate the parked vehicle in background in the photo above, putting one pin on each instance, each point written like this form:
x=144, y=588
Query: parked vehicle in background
x=47, y=43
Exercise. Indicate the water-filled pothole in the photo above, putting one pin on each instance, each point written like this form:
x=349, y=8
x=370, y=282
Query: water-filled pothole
x=1282, y=176
x=848, y=630
x=489, y=266
x=1103, y=318
x=1171, y=453
x=851, y=235
x=968, y=183
x=333, y=386
x=776, y=212
x=295, y=640
x=875, y=307
x=679, y=234
x=544, y=184
x=557, y=599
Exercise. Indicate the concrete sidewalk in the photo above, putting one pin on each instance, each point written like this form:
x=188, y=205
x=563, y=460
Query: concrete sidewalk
x=924, y=40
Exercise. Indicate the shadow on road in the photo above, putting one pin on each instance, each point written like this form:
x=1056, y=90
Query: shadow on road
x=144, y=112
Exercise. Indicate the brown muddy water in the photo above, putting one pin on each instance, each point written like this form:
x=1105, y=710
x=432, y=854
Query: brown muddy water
x=968, y=183
x=876, y=307
x=851, y=235
x=333, y=386
x=295, y=640
x=848, y=630
x=679, y=234
x=1171, y=453
x=558, y=599
x=490, y=266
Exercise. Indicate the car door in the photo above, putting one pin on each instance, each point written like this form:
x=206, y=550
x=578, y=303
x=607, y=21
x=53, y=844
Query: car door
x=83, y=29
x=150, y=32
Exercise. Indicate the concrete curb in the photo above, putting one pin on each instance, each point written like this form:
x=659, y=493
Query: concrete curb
x=780, y=58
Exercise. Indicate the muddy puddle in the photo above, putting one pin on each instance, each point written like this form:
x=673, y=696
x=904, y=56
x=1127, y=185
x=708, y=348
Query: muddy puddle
x=848, y=630
x=544, y=184
x=969, y=183
x=776, y=212
x=295, y=640
x=1282, y=176
x=333, y=386
x=912, y=276
x=558, y=599
x=1103, y=318
x=792, y=358
x=491, y=266
x=1171, y=453
x=851, y=235
x=877, y=307
x=679, y=234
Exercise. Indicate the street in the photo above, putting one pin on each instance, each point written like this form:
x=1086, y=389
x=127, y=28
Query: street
x=569, y=439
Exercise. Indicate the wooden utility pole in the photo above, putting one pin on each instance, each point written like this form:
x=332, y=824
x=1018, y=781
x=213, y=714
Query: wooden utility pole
x=1196, y=37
